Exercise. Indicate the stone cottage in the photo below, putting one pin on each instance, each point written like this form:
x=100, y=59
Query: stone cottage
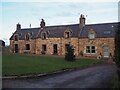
x=90, y=40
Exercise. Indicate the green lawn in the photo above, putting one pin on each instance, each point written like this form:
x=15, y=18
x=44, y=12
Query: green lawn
x=26, y=64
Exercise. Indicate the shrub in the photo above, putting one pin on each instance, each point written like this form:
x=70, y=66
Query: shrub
x=117, y=45
x=115, y=81
x=69, y=56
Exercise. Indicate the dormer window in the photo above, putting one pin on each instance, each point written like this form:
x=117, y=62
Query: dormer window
x=16, y=37
x=67, y=34
x=44, y=36
x=91, y=35
x=28, y=36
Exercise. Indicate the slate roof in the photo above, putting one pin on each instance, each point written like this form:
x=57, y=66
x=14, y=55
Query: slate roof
x=58, y=31
x=23, y=32
x=102, y=30
x=2, y=43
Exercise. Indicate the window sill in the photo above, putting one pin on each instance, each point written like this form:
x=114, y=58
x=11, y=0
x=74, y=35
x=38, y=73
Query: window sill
x=90, y=53
x=67, y=38
x=26, y=51
x=91, y=38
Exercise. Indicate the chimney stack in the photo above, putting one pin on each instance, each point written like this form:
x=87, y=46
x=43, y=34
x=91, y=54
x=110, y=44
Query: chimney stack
x=82, y=21
x=18, y=27
x=42, y=24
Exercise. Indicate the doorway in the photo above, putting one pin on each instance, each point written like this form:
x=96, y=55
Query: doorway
x=106, y=51
x=44, y=48
x=55, y=50
x=16, y=48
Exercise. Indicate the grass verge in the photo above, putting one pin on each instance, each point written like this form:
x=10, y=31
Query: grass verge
x=16, y=64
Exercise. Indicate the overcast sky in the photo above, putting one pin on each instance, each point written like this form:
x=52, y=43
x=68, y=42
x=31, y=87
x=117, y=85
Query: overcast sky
x=54, y=13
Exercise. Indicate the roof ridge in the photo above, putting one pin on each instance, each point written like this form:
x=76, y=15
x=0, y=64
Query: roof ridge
x=70, y=25
x=102, y=23
x=30, y=28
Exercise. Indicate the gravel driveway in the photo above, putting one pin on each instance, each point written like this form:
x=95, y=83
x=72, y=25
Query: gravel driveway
x=96, y=76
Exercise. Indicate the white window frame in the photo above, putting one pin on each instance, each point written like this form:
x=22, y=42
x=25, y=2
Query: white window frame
x=67, y=34
x=27, y=36
x=89, y=51
x=44, y=35
x=91, y=34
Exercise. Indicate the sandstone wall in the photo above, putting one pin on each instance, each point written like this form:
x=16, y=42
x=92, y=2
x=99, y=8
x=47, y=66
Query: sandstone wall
x=78, y=44
x=99, y=43
x=60, y=43
x=22, y=46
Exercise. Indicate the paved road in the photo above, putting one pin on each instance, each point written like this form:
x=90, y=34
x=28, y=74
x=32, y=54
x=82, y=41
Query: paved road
x=85, y=78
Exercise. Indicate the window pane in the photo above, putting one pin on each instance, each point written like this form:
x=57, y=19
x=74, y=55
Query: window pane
x=93, y=47
x=27, y=46
x=87, y=49
x=27, y=37
x=91, y=36
x=67, y=34
x=43, y=35
x=93, y=51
